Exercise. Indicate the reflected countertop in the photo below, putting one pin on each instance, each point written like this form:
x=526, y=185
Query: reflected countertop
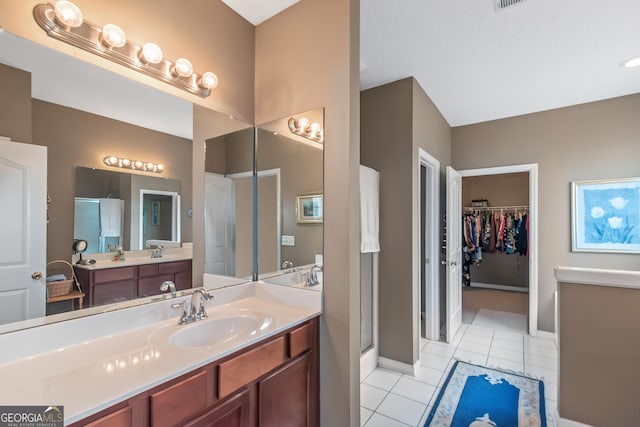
x=99, y=362
x=105, y=260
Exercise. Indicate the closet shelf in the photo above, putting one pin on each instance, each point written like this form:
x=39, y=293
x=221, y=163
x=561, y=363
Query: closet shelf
x=495, y=208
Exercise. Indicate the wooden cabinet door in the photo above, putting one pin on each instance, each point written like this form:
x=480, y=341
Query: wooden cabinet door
x=285, y=397
x=232, y=413
x=119, y=418
x=148, y=286
x=174, y=405
x=106, y=293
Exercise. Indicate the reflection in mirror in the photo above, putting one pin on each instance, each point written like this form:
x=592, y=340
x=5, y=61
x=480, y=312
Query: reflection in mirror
x=83, y=113
x=109, y=211
x=228, y=204
x=290, y=187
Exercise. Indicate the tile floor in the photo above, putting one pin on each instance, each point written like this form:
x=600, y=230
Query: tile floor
x=389, y=398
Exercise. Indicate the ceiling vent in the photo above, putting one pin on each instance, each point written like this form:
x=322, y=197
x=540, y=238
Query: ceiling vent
x=503, y=4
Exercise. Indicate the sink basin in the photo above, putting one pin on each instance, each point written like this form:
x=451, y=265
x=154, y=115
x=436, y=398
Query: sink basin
x=219, y=330
x=295, y=279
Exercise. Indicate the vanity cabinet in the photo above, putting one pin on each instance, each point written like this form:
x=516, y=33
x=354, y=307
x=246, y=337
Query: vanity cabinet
x=272, y=383
x=109, y=285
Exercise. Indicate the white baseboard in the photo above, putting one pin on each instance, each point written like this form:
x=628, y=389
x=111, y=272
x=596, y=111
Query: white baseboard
x=394, y=365
x=368, y=362
x=563, y=422
x=550, y=336
x=499, y=287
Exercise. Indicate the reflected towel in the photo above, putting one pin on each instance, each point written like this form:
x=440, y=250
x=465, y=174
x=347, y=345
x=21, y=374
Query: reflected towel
x=369, y=210
x=56, y=278
x=111, y=211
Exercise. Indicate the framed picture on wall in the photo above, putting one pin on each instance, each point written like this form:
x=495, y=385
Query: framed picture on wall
x=309, y=208
x=605, y=216
x=155, y=213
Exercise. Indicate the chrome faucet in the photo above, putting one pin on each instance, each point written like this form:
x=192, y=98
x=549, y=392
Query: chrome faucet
x=195, y=310
x=169, y=286
x=287, y=264
x=156, y=250
x=312, y=277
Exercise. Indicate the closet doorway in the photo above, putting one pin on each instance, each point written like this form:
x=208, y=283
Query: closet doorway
x=500, y=281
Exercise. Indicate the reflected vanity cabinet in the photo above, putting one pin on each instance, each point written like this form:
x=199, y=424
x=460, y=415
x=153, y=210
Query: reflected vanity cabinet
x=273, y=383
x=109, y=285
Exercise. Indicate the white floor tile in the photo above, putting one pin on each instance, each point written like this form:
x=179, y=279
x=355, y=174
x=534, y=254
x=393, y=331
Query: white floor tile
x=471, y=337
x=412, y=389
x=382, y=378
x=470, y=357
x=474, y=347
x=371, y=397
x=539, y=342
x=423, y=420
x=507, y=365
x=538, y=350
x=402, y=409
x=550, y=407
x=501, y=353
x=378, y=420
x=423, y=342
x=551, y=391
x=428, y=375
x=433, y=361
x=547, y=375
x=434, y=398
x=509, y=336
x=543, y=362
x=507, y=344
x=439, y=350
x=480, y=330
x=501, y=320
x=365, y=414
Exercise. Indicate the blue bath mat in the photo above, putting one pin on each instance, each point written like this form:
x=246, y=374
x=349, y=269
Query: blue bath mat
x=488, y=397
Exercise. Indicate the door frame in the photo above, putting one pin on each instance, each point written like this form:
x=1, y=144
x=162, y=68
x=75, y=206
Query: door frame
x=431, y=294
x=532, y=169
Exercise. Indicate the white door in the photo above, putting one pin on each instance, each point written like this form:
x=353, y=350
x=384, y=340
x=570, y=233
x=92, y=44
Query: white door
x=453, y=261
x=219, y=225
x=23, y=230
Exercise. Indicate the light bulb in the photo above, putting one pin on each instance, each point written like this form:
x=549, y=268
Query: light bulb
x=138, y=164
x=68, y=14
x=111, y=160
x=151, y=53
x=315, y=128
x=150, y=166
x=113, y=36
x=635, y=62
x=303, y=124
x=160, y=167
x=183, y=67
x=209, y=80
x=126, y=163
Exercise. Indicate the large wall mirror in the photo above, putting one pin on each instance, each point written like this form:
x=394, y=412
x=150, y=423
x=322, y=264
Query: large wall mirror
x=83, y=113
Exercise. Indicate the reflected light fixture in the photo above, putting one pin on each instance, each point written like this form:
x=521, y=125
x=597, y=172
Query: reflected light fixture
x=632, y=63
x=121, y=162
x=65, y=22
x=302, y=127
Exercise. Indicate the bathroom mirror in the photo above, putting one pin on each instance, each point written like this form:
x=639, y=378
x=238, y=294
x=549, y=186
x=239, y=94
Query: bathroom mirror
x=83, y=113
x=141, y=207
x=289, y=161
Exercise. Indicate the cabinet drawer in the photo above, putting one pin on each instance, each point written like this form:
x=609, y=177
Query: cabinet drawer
x=300, y=340
x=114, y=274
x=241, y=370
x=151, y=285
x=173, y=267
x=183, y=280
x=107, y=293
x=180, y=402
x=148, y=270
x=120, y=418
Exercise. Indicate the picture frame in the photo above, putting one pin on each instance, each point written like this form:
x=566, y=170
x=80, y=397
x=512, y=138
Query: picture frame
x=605, y=216
x=155, y=213
x=309, y=208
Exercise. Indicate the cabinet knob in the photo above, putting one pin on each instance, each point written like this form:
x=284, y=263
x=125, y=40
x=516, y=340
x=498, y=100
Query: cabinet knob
x=36, y=275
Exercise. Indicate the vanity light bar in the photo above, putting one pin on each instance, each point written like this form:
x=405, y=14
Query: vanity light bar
x=65, y=22
x=302, y=127
x=121, y=162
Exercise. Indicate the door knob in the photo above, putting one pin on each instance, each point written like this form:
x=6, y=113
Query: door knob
x=36, y=275
x=444, y=263
x=453, y=263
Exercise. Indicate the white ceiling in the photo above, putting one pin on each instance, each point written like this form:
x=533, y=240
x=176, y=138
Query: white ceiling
x=477, y=64
x=257, y=11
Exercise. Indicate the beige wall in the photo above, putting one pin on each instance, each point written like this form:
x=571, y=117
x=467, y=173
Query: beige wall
x=286, y=84
x=599, y=352
x=397, y=119
x=590, y=141
x=209, y=33
x=76, y=138
x=15, y=108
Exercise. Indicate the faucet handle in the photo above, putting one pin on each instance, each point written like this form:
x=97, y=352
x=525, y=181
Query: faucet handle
x=184, y=318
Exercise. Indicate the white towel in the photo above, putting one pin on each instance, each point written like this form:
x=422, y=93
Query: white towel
x=111, y=217
x=369, y=210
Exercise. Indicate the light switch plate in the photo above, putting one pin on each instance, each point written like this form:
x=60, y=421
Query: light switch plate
x=288, y=240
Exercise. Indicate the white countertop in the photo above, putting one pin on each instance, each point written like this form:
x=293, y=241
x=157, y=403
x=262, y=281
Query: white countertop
x=98, y=365
x=105, y=260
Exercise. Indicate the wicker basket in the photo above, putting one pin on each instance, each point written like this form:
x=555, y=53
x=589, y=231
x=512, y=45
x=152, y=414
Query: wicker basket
x=62, y=287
